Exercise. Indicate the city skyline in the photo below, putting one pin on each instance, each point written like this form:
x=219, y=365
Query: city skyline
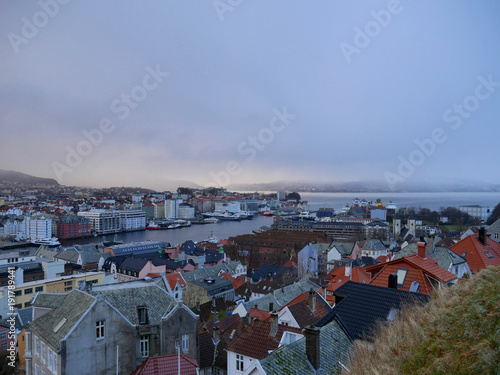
x=230, y=92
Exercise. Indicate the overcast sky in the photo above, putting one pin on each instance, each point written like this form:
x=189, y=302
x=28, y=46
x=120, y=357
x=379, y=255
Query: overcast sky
x=230, y=91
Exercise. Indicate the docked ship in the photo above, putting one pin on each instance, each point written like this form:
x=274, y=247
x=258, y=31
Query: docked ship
x=223, y=216
x=49, y=242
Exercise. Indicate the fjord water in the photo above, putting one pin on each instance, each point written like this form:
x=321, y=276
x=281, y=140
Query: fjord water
x=226, y=229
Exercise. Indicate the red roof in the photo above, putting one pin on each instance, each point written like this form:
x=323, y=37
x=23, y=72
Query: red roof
x=237, y=282
x=417, y=270
x=167, y=364
x=173, y=278
x=478, y=256
x=259, y=314
x=255, y=341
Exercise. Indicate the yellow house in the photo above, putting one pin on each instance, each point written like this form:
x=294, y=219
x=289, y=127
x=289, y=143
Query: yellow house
x=23, y=293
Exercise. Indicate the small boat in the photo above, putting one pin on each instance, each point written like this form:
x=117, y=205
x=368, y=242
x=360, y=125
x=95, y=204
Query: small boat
x=211, y=220
x=266, y=213
x=174, y=226
x=153, y=226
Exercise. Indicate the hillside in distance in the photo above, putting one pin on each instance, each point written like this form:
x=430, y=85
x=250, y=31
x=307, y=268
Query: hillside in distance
x=13, y=177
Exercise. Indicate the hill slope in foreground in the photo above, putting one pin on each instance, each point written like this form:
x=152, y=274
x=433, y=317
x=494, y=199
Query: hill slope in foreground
x=458, y=332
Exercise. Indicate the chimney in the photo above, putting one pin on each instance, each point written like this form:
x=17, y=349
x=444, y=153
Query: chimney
x=312, y=300
x=429, y=246
x=248, y=319
x=216, y=334
x=393, y=281
x=483, y=236
x=312, y=346
x=421, y=249
x=274, y=324
x=271, y=306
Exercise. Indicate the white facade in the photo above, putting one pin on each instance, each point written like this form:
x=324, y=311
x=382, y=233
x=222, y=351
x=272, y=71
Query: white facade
x=480, y=212
x=237, y=363
x=132, y=220
x=186, y=212
x=228, y=206
x=37, y=229
x=172, y=208
x=13, y=227
x=103, y=221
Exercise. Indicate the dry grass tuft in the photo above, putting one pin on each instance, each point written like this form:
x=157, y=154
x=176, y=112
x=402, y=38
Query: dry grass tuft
x=457, y=332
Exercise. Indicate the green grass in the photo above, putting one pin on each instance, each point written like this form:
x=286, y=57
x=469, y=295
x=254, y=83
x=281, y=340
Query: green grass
x=458, y=332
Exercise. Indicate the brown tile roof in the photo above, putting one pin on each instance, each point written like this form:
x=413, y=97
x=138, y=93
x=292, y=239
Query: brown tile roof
x=255, y=341
x=303, y=313
x=476, y=253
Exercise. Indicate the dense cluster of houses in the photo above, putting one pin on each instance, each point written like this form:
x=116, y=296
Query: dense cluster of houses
x=156, y=307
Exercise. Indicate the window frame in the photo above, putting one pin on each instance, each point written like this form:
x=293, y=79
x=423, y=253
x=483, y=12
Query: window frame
x=185, y=343
x=144, y=346
x=99, y=329
x=404, y=273
x=240, y=362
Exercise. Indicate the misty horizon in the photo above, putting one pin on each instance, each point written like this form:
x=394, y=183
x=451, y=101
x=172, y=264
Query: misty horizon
x=225, y=93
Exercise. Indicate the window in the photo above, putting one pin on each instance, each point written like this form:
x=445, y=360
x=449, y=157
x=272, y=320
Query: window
x=488, y=254
x=37, y=370
x=68, y=283
x=142, y=311
x=37, y=346
x=176, y=344
x=28, y=366
x=496, y=236
x=185, y=343
x=3, y=347
x=17, y=293
x=144, y=346
x=50, y=364
x=99, y=329
x=3, y=336
x=240, y=362
x=43, y=352
x=28, y=343
x=28, y=291
x=39, y=289
x=401, y=276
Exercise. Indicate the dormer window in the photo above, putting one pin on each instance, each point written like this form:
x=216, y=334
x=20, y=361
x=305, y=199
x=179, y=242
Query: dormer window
x=488, y=254
x=142, y=312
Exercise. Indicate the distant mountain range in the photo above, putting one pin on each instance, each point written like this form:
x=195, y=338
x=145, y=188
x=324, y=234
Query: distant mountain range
x=12, y=177
x=446, y=185
x=443, y=185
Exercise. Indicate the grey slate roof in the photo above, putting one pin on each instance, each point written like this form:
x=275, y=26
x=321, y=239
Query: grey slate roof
x=373, y=245
x=73, y=307
x=214, y=285
x=127, y=297
x=68, y=255
x=282, y=296
x=45, y=253
x=24, y=317
x=444, y=256
x=52, y=300
x=210, y=271
x=344, y=248
x=335, y=344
